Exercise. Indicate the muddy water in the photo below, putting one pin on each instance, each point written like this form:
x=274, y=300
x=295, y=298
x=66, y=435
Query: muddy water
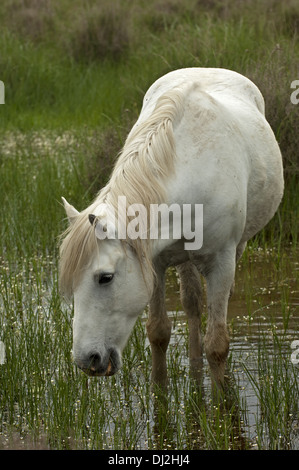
x=266, y=294
x=263, y=315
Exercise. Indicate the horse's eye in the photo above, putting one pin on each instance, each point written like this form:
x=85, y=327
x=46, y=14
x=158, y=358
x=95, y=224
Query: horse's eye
x=105, y=278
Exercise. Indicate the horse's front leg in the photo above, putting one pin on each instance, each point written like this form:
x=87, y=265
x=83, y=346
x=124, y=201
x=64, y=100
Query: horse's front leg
x=219, y=279
x=159, y=330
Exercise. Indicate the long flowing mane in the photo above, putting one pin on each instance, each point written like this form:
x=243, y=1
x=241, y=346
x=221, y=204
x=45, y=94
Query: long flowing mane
x=146, y=160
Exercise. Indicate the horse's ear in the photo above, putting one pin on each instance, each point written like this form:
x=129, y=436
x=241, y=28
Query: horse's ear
x=91, y=218
x=71, y=212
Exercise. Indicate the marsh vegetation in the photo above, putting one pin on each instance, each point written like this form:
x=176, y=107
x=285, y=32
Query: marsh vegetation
x=74, y=81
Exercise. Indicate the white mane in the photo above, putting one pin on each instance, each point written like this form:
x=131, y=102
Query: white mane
x=139, y=173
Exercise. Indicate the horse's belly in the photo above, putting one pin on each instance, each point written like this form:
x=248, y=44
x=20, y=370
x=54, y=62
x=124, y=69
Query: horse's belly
x=233, y=168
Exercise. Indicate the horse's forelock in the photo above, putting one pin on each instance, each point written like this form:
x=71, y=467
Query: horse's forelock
x=78, y=245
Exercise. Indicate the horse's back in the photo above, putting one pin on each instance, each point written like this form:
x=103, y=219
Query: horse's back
x=214, y=81
x=227, y=155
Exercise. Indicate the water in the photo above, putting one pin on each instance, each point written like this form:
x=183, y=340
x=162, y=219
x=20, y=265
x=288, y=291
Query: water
x=263, y=319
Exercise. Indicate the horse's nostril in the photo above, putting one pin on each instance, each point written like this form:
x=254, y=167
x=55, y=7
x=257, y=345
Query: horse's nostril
x=94, y=362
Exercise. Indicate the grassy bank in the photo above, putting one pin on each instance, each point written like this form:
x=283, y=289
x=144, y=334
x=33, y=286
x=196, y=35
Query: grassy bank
x=74, y=80
x=84, y=70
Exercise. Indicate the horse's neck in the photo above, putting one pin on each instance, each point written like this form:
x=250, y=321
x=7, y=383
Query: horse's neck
x=167, y=253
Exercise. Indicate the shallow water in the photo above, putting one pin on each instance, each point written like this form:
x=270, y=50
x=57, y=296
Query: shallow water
x=263, y=321
x=263, y=318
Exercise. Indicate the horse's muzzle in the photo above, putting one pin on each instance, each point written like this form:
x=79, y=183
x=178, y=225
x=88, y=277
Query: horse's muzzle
x=95, y=365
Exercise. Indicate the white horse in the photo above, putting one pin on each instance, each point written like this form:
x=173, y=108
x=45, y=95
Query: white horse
x=201, y=138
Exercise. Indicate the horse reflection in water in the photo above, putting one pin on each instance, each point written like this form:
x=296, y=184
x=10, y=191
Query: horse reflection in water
x=201, y=138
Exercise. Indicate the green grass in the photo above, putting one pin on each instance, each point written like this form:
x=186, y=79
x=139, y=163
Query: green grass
x=48, y=402
x=72, y=93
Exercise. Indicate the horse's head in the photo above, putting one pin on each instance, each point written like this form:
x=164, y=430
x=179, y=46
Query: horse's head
x=109, y=295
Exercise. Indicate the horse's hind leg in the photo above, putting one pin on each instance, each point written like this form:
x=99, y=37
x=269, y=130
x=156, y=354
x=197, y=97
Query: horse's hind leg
x=158, y=330
x=239, y=252
x=191, y=299
x=219, y=277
